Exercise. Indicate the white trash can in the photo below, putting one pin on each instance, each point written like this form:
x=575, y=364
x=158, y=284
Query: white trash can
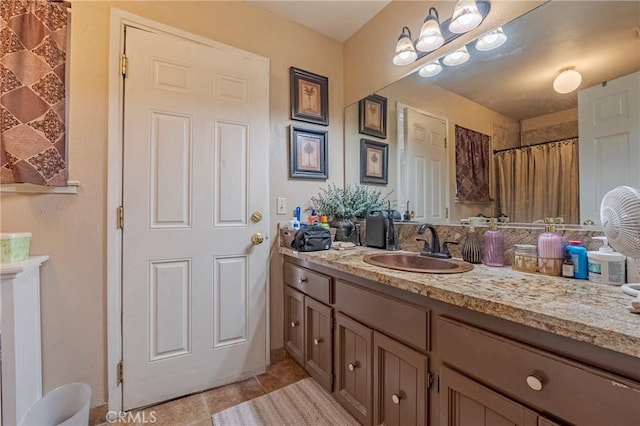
x=67, y=405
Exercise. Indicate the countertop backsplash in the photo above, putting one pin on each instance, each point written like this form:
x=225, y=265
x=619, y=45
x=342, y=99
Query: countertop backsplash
x=408, y=232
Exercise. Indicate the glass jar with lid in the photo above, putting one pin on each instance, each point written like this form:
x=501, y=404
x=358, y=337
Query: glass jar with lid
x=525, y=257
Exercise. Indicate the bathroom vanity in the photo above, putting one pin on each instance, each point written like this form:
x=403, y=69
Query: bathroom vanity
x=491, y=346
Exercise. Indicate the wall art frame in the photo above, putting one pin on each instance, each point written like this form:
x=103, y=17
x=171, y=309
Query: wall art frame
x=309, y=96
x=308, y=153
x=374, y=162
x=372, y=117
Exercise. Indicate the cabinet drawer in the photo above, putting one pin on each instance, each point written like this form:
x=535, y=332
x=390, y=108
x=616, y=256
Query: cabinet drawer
x=401, y=320
x=570, y=391
x=311, y=283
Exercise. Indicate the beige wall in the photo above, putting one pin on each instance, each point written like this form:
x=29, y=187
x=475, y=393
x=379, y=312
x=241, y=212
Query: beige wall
x=72, y=228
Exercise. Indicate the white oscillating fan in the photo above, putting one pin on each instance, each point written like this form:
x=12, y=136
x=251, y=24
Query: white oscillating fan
x=620, y=216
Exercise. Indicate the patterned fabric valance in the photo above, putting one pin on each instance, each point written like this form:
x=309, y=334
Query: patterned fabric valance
x=33, y=43
x=472, y=165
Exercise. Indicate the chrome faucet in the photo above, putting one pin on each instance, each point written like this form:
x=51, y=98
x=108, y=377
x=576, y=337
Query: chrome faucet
x=434, y=250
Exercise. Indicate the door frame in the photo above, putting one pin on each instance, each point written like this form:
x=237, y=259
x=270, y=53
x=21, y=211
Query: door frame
x=115, y=145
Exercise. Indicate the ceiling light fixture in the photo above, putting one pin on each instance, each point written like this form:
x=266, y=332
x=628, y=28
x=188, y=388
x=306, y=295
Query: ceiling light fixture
x=466, y=17
x=491, y=40
x=567, y=81
x=405, y=52
x=430, y=35
x=457, y=57
x=431, y=69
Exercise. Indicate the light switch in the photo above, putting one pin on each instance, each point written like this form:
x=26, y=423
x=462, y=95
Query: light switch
x=282, y=205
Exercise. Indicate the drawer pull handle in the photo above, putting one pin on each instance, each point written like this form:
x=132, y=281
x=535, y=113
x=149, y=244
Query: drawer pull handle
x=302, y=281
x=395, y=398
x=352, y=366
x=294, y=323
x=317, y=341
x=534, y=383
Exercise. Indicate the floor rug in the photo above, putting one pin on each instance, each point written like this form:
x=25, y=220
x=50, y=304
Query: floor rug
x=302, y=403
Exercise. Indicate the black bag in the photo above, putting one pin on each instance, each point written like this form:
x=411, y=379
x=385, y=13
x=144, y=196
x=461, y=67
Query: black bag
x=312, y=238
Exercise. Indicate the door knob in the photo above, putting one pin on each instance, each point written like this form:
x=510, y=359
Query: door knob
x=352, y=366
x=395, y=398
x=257, y=239
x=317, y=341
x=294, y=323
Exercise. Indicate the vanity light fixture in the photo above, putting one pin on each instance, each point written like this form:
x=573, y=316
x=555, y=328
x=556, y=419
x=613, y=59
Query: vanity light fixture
x=466, y=17
x=457, y=57
x=430, y=35
x=491, y=40
x=567, y=81
x=405, y=52
x=431, y=69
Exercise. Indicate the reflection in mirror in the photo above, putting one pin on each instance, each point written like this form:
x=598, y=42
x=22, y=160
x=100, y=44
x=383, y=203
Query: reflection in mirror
x=507, y=94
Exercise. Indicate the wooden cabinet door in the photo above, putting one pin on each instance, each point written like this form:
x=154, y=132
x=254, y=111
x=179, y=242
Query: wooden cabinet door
x=294, y=323
x=318, y=354
x=465, y=402
x=354, y=362
x=399, y=383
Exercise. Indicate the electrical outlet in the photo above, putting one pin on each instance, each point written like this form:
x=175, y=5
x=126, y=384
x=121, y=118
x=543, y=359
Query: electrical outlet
x=282, y=205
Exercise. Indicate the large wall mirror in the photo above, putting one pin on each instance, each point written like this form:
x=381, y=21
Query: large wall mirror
x=507, y=94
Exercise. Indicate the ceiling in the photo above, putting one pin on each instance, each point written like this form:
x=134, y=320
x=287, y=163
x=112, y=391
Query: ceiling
x=338, y=20
x=600, y=39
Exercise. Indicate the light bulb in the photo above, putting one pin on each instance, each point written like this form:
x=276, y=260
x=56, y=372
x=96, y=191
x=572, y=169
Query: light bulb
x=457, y=57
x=466, y=17
x=491, y=40
x=431, y=69
x=430, y=35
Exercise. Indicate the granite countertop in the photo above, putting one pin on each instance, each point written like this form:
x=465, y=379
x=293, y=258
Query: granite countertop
x=579, y=309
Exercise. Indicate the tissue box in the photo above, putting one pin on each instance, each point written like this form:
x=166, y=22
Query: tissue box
x=14, y=247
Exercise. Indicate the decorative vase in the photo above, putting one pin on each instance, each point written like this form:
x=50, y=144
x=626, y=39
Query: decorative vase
x=472, y=248
x=344, y=229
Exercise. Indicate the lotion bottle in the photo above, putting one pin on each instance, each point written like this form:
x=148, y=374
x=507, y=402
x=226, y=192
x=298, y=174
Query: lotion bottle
x=493, y=245
x=605, y=265
x=550, y=250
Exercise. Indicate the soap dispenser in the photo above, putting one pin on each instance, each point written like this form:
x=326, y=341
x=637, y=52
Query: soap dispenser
x=550, y=250
x=493, y=245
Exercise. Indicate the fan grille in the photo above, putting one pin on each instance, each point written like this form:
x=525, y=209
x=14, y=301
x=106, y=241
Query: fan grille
x=620, y=216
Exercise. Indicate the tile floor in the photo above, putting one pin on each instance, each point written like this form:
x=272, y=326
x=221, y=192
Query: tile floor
x=197, y=409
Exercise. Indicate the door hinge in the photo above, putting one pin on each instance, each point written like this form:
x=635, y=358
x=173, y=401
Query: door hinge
x=120, y=372
x=429, y=380
x=438, y=383
x=333, y=323
x=123, y=65
x=333, y=379
x=445, y=142
x=446, y=212
x=120, y=218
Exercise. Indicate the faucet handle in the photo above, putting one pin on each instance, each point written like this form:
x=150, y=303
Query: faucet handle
x=426, y=248
x=445, y=247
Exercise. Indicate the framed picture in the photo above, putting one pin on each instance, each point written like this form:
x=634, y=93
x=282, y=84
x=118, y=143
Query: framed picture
x=308, y=153
x=373, y=116
x=309, y=97
x=374, y=162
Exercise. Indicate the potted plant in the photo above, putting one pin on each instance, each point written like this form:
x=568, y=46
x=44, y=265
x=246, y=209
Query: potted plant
x=342, y=206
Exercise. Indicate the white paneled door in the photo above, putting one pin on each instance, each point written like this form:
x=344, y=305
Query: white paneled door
x=609, y=144
x=427, y=166
x=195, y=171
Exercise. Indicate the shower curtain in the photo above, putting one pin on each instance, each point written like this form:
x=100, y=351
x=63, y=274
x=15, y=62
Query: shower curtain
x=33, y=43
x=540, y=181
